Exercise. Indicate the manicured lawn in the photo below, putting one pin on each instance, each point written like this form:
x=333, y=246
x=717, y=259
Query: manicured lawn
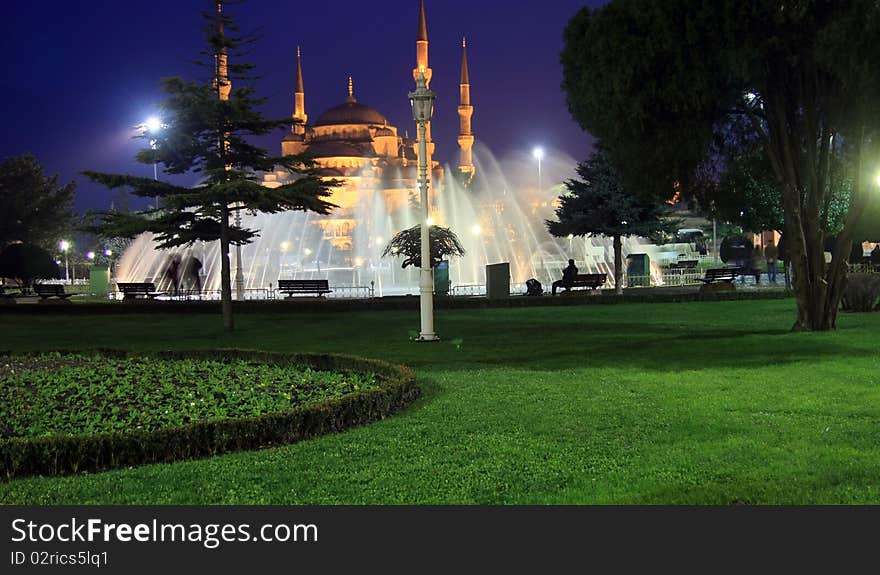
x=664, y=403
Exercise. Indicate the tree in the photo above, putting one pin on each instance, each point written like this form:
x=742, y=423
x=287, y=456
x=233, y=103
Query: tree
x=599, y=204
x=207, y=126
x=35, y=209
x=659, y=81
x=26, y=263
x=408, y=244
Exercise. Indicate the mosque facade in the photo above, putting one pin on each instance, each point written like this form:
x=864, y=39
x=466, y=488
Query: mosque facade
x=356, y=145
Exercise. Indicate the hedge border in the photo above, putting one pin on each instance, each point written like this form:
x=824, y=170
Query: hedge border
x=66, y=455
x=393, y=303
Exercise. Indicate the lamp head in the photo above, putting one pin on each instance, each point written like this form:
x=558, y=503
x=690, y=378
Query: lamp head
x=153, y=125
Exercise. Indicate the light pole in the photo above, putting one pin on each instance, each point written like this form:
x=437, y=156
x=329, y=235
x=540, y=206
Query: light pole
x=422, y=101
x=239, y=272
x=65, y=245
x=152, y=127
x=538, y=153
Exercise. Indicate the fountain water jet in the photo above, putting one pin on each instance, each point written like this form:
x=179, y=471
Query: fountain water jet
x=499, y=219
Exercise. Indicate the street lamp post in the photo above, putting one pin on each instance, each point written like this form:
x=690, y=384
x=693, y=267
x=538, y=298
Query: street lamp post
x=153, y=126
x=422, y=101
x=538, y=153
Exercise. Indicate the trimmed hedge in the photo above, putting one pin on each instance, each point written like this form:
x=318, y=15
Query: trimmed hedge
x=395, y=303
x=63, y=455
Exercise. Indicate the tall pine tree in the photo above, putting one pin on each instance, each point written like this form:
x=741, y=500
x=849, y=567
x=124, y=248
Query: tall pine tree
x=206, y=127
x=598, y=204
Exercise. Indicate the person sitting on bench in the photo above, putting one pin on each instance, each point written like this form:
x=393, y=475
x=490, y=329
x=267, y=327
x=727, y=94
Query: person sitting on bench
x=568, y=275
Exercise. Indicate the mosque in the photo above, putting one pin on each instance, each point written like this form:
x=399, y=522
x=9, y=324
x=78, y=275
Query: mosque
x=356, y=145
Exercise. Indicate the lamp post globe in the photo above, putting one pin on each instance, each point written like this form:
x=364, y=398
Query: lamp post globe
x=422, y=101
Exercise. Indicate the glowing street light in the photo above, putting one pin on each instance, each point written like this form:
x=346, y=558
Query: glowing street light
x=90, y=255
x=422, y=101
x=477, y=230
x=285, y=246
x=108, y=252
x=65, y=245
x=538, y=153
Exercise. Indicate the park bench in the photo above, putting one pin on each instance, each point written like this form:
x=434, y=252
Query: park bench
x=291, y=287
x=592, y=281
x=45, y=291
x=718, y=275
x=132, y=291
x=683, y=266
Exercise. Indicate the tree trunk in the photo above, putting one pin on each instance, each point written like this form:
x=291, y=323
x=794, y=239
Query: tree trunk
x=618, y=265
x=225, y=271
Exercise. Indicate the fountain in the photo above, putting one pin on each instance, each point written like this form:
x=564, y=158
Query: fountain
x=500, y=219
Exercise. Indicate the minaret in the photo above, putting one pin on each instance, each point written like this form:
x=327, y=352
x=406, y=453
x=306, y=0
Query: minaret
x=221, y=65
x=299, y=112
x=466, y=112
x=422, y=67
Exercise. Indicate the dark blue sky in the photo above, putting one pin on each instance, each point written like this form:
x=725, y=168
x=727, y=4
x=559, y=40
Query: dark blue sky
x=79, y=75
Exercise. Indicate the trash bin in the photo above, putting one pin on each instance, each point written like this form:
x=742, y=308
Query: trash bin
x=498, y=281
x=441, y=278
x=638, y=270
x=99, y=280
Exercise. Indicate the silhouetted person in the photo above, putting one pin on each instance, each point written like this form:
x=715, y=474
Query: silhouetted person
x=568, y=275
x=173, y=274
x=194, y=274
x=875, y=256
x=771, y=254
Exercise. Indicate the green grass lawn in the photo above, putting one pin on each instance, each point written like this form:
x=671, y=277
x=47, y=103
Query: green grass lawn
x=638, y=403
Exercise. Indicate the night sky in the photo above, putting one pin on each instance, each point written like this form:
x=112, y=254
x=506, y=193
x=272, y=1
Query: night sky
x=80, y=75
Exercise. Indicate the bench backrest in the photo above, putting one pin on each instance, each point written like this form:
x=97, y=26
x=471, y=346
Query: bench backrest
x=590, y=278
x=721, y=273
x=306, y=285
x=685, y=264
x=48, y=289
x=136, y=287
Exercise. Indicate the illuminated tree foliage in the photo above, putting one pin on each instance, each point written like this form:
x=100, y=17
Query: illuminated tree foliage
x=659, y=81
x=408, y=245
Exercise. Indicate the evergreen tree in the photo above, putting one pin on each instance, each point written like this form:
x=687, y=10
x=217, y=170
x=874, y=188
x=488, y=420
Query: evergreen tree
x=35, y=209
x=206, y=130
x=599, y=204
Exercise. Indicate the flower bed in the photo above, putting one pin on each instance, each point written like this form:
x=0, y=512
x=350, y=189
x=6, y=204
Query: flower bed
x=62, y=412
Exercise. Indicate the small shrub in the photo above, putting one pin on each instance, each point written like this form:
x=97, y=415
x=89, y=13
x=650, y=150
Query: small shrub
x=861, y=292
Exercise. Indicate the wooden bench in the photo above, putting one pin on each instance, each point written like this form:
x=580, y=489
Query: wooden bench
x=132, y=291
x=317, y=287
x=592, y=281
x=718, y=275
x=45, y=291
x=682, y=266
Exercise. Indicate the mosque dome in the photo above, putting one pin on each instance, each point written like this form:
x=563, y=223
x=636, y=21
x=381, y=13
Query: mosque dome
x=351, y=113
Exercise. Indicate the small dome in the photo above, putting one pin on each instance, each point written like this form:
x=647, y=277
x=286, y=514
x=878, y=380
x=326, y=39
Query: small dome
x=351, y=113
